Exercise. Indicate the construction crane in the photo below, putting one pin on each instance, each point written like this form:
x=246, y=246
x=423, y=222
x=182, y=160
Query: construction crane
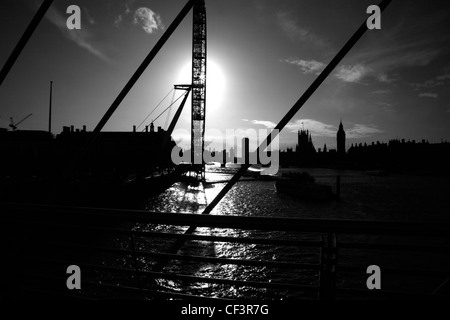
x=14, y=126
x=188, y=89
x=177, y=115
x=185, y=87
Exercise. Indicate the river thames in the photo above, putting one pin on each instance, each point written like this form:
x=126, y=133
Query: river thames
x=397, y=197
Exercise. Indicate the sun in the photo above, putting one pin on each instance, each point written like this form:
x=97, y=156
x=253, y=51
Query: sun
x=215, y=83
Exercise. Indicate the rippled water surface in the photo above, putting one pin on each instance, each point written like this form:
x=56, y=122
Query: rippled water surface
x=363, y=197
x=395, y=197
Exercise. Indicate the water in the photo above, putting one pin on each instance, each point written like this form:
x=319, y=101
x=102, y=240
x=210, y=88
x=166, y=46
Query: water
x=363, y=197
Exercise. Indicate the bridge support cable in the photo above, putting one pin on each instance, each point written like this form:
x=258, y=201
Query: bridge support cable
x=154, y=109
x=170, y=106
x=24, y=39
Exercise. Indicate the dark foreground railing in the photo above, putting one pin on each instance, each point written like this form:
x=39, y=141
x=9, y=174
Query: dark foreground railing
x=280, y=258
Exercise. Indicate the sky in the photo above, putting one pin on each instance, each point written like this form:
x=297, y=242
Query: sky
x=262, y=56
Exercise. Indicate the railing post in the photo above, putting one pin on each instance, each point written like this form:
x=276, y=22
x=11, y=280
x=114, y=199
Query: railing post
x=328, y=262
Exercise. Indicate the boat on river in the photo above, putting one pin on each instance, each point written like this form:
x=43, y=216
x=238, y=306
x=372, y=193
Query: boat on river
x=303, y=186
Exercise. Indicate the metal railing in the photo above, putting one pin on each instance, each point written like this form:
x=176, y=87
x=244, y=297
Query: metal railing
x=116, y=250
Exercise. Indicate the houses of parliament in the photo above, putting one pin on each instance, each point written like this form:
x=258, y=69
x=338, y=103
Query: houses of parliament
x=395, y=155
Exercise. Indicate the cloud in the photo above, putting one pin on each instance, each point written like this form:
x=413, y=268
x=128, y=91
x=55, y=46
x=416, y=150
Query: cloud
x=307, y=66
x=383, y=77
x=296, y=32
x=148, y=20
x=118, y=20
x=353, y=73
x=392, y=52
x=384, y=104
x=378, y=63
x=428, y=95
x=382, y=58
x=318, y=128
x=444, y=76
x=381, y=91
x=431, y=83
x=414, y=58
x=88, y=16
x=127, y=8
x=82, y=37
x=387, y=107
x=121, y=17
x=359, y=71
x=359, y=131
x=350, y=73
x=440, y=80
x=267, y=124
x=388, y=56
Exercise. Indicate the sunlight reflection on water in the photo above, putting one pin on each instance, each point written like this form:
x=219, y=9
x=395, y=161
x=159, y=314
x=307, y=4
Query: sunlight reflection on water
x=181, y=198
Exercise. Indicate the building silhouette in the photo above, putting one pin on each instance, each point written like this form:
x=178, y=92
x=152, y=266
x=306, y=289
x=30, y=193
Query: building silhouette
x=340, y=137
x=39, y=153
x=304, y=154
x=246, y=150
x=394, y=156
x=305, y=147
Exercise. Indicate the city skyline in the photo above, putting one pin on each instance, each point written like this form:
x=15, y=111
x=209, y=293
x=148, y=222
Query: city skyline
x=261, y=58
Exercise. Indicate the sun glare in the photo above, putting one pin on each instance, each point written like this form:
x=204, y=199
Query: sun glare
x=215, y=83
